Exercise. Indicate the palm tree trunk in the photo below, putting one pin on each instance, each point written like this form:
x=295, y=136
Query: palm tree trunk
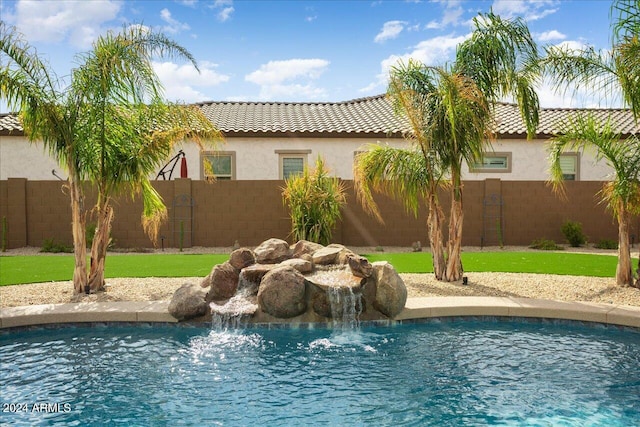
x=454, y=246
x=435, y=221
x=624, y=273
x=99, y=247
x=78, y=230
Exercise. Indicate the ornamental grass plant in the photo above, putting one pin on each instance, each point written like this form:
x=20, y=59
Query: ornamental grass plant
x=314, y=200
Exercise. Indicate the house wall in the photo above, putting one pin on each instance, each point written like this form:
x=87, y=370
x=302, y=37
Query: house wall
x=257, y=159
x=21, y=159
x=249, y=212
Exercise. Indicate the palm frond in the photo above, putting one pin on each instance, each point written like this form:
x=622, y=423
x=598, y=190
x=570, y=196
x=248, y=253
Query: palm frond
x=502, y=59
x=402, y=174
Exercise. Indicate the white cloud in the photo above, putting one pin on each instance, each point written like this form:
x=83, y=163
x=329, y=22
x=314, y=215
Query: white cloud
x=225, y=9
x=451, y=16
x=435, y=51
x=55, y=21
x=276, y=72
x=225, y=13
x=548, y=36
x=390, y=30
x=572, y=45
x=181, y=81
x=173, y=26
x=528, y=9
x=586, y=97
x=289, y=78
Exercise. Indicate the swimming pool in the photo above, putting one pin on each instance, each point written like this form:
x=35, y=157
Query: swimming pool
x=483, y=371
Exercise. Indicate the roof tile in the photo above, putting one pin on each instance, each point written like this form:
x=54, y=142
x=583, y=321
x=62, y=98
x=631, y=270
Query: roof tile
x=364, y=116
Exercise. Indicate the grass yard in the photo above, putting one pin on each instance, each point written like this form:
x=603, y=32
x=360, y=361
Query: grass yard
x=46, y=268
x=572, y=264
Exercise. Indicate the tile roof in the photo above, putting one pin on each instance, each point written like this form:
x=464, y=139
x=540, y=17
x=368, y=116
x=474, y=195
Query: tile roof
x=363, y=116
x=371, y=116
x=510, y=124
x=10, y=124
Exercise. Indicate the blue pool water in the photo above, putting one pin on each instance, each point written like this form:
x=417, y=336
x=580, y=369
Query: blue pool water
x=450, y=372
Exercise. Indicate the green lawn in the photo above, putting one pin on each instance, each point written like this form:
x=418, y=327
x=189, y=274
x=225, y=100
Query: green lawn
x=45, y=268
x=510, y=262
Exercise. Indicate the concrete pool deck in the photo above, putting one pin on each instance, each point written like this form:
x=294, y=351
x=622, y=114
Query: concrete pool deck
x=415, y=308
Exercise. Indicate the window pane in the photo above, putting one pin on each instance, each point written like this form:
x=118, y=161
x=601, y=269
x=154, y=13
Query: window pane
x=498, y=162
x=221, y=166
x=569, y=167
x=292, y=166
x=568, y=164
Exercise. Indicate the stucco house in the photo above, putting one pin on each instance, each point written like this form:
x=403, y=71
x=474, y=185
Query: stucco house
x=507, y=199
x=270, y=140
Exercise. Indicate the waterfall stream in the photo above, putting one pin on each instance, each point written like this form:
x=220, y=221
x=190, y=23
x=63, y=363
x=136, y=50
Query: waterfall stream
x=346, y=307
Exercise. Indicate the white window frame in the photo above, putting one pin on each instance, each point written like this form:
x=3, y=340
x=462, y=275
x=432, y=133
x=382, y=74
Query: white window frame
x=230, y=154
x=480, y=168
x=576, y=157
x=291, y=154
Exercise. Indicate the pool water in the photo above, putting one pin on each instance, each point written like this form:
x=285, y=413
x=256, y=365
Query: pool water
x=449, y=372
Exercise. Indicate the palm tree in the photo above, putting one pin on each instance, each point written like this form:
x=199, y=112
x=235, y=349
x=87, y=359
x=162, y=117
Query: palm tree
x=499, y=60
x=449, y=108
x=614, y=73
x=127, y=130
x=621, y=194
x=49, y=113
x=410, y=175
x=109, y=126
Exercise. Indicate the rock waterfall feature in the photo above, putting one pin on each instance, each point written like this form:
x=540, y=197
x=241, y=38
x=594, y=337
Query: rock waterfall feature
x=306, y=282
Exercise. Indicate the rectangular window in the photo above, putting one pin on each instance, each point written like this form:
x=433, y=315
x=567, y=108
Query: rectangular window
x=292, y=166
x=493, y=162
x=569, y=166
x=219, y=164
x=292, y=162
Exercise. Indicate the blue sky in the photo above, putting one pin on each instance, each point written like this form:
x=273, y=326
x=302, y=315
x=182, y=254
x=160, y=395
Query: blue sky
x=298, y=50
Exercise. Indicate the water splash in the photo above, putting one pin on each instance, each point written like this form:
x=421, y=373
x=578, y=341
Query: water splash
x=235, y=312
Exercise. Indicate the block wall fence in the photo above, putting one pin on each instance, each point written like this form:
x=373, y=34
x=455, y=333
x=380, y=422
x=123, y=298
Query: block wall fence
x=221, y=213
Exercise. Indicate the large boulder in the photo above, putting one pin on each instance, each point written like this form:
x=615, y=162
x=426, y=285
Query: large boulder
x=343, y=256
x=188, y=301
x=223, y=282
x=326, y=255
x=282, y=293
x=272, y=251
x=391, y=292
x=302, y=265
x=241, y=258
x=254, y=273
x=303, y=247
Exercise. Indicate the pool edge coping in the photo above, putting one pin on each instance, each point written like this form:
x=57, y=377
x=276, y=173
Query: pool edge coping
x=415, y=308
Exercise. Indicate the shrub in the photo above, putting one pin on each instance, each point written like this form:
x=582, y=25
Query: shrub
x=545, y=245
x=314, y=200
x=50, y=245
x=606, y=244
x=572, y=231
